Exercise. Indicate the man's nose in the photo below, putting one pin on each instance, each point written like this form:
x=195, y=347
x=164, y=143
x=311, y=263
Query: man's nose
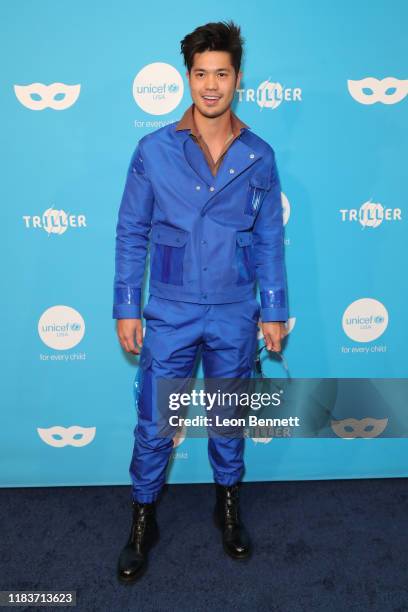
x=211, y=81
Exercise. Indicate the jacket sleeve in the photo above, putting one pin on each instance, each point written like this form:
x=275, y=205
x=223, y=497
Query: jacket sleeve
x=268, y=241
x=133, y=226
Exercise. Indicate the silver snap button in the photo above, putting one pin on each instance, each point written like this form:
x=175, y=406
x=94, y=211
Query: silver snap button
x=251, y=155
x=232, y=171
x=198, y=187
x=212, y=188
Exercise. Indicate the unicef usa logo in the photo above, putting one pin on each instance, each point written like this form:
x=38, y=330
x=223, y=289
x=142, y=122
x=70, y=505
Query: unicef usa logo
x=54, y=221
x=158, y=88
x=370, y=214
x=370, y=90
x=61, y=327
x=270, y=94
x=365, y=320
x=38, y=96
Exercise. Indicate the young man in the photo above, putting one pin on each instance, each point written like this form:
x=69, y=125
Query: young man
x=205, y=191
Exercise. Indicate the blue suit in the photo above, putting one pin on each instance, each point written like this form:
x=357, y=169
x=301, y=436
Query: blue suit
x=211, y=239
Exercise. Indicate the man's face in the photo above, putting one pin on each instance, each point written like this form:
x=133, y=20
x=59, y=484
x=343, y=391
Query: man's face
x=213, y=82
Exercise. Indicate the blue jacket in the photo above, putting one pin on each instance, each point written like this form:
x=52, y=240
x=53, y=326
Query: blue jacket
x=211, y=238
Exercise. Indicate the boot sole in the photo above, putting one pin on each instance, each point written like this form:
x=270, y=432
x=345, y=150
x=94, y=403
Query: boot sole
x=142, y=571
x=238, y=557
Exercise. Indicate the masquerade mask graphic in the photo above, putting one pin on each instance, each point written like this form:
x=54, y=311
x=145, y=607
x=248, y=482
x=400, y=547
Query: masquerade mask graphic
x=47, y=94
x=66, y=435
x=359, y=428
x=378, y=90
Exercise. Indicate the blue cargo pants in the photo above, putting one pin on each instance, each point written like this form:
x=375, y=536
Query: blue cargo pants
x=175, y=331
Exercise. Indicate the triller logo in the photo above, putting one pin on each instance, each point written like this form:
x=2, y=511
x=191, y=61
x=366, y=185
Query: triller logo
x=158, y=88
x=47, y=95
x=370, y=214
x=365, y=320
x=61, y=327
x=270, y=95
x=370, y=90
x=54, y=221
x=59, y=436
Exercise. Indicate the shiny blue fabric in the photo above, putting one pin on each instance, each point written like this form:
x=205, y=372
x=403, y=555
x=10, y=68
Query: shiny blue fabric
x=195, y=224
x=176, y=334
x=273, y=299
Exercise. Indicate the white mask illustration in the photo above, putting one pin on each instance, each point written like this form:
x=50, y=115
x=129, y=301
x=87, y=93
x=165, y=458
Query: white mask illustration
x=379, y=90
x=66, y=435
x=47, y=94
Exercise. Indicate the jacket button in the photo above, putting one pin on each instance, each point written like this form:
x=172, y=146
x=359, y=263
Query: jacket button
x=198, y=187
x=212, y=188
x=251, y=155
x=231, y=171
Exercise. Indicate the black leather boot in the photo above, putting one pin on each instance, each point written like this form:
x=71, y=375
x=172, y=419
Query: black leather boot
x=143, y=534
x=235, y=538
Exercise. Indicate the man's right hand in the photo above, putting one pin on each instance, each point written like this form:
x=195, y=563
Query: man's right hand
x=127, y=330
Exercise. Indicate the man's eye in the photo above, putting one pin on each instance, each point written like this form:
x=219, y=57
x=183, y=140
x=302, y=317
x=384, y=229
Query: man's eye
x=222, y=73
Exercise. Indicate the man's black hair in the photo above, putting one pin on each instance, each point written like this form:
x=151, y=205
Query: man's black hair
x=214, y=36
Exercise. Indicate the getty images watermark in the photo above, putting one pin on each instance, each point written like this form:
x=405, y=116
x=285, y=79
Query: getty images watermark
x=220, y=407
x=219, y=399
x=265, y=408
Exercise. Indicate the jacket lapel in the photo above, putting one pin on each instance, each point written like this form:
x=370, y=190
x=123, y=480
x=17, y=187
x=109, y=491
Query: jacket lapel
x=238, y=158
x=196, y=159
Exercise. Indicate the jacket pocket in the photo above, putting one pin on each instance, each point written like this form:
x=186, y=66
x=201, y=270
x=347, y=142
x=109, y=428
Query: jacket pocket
x=257, y=188
x=244, y=258
x=169, y=245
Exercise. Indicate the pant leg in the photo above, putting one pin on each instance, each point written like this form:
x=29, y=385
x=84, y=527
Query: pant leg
x=172, y=338
x=229, y=346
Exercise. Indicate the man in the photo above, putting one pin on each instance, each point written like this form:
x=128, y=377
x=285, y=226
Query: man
x=205, y=192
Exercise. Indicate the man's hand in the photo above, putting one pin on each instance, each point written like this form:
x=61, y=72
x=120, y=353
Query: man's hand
x=127, y=329
x=274, y=332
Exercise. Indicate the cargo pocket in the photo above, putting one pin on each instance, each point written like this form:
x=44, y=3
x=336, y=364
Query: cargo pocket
x=257, y=189
x=169, y=245
x=245, y=258
x=142, y=383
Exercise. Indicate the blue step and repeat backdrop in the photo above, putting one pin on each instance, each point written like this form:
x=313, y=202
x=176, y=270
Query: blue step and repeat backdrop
x=325, y=83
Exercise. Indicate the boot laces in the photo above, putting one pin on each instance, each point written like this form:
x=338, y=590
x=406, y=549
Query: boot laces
x=231, y=506
x=139, y=522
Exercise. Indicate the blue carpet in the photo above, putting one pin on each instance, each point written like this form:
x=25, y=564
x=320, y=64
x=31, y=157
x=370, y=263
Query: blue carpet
x=318, y=546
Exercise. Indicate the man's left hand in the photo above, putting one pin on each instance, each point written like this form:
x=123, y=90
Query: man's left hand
x=273, y=332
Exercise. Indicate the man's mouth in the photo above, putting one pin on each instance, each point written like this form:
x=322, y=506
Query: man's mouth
x=211, y=99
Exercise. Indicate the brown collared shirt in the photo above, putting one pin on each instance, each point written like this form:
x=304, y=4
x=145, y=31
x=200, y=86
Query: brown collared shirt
x=187, y=122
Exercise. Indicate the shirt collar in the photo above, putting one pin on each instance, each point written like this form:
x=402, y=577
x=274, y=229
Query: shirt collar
x=187, y=123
